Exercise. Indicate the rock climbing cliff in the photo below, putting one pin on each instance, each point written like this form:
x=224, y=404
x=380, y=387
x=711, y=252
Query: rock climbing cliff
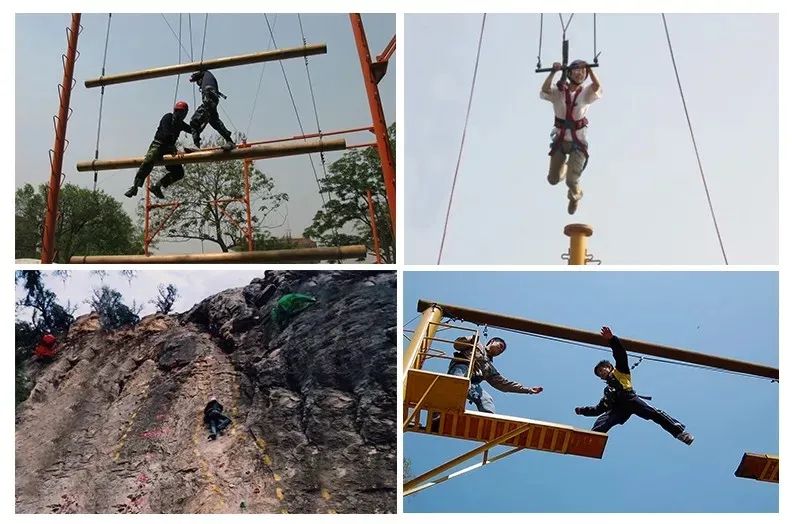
x=114, y=424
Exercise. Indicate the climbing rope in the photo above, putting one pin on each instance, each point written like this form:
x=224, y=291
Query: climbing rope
x=178, y=77
x=101, y=98
x=299, y=123
x=539, y=53
x=203, y=43
x=174, y=33
x=462, y=143
x=693, y=138
x=316, y=117
x=189, y=25
x=564, y=27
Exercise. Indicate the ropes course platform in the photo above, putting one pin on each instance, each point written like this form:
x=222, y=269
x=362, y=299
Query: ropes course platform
x=759, y=467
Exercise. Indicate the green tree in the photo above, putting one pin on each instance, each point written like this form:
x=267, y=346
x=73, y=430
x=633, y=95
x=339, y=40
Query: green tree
x=197, y=218
x=112, y=311
x=88, y=223
x=166, y=296
x=47, y=314
x=345, y=218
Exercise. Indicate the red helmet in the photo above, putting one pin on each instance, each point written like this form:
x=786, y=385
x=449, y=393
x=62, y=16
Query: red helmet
x=181, y=105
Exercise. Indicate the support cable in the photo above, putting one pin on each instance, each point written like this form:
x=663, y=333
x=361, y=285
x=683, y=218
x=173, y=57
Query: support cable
x=695, y=146
x=462, y=143
x=101, y=98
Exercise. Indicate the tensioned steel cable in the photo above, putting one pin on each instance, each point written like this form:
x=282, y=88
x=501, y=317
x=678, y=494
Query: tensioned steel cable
x=462, y=143
x=693, y=138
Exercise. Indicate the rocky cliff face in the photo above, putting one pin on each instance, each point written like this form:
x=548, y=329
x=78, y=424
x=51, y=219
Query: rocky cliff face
x=114, y=425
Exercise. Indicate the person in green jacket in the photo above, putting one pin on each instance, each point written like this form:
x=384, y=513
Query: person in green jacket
x=288, y=306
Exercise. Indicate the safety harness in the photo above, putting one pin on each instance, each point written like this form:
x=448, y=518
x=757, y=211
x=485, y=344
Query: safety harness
x=562, y=124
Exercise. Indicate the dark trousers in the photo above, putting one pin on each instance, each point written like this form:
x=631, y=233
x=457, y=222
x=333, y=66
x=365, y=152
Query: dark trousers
x=207, y=114
x=624, y=409
x=154, y=154
x=217, y=423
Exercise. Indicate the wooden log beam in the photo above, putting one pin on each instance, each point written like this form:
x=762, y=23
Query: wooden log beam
x=243, y=257
x=215, y=63
x=218, y=155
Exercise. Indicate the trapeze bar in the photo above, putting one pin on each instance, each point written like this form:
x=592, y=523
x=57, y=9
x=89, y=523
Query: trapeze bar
x=281, y=255
x=215, y=63
x=218, y=155
x=587, y=337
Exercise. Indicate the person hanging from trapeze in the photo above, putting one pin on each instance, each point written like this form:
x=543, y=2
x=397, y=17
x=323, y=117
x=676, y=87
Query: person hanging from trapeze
x=207, y=111
x=170, y=127
x=571, y=97
x=569, y=147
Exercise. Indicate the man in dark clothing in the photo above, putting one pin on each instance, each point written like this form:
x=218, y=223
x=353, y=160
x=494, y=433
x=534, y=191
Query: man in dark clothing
x=484, y=370
x=170, y=126
x=620, y=402
x=214, y=418
x=207, y=111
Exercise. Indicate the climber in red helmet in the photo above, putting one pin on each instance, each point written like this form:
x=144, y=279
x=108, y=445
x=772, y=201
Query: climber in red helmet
x=47, y=347
x=164, y=143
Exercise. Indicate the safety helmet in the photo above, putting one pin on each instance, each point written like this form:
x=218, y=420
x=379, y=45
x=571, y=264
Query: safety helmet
x=181, y=105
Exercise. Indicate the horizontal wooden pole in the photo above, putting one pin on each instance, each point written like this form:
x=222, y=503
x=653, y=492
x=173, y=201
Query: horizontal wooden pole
x=218, y=155
x=243, y=257
x=587, y=337
x=215, y=63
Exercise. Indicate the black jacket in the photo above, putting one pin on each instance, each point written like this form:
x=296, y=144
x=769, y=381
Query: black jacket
x=619, y=384
x=212, y=409
x=208, y=81
x=169, y=130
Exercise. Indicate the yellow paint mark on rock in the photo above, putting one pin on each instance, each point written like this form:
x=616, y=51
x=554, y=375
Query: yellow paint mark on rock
x=325, y=494
x=267, y=460
x=331, y=511
x=284, y=511
x=279, y=493
x=276, y=477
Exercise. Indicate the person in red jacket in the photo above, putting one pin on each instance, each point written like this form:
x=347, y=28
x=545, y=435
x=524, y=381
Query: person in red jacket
x=47, y=347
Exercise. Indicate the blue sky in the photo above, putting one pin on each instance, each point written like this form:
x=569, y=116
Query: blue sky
x=733, y=314
x=132, y=110
x=643, y=192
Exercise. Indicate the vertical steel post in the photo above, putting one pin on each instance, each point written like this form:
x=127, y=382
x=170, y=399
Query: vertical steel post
x=578, y=235
x=377, y=116
x=374, y=233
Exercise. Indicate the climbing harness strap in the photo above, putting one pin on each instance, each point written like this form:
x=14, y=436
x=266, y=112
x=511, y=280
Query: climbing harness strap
x=569, y=123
